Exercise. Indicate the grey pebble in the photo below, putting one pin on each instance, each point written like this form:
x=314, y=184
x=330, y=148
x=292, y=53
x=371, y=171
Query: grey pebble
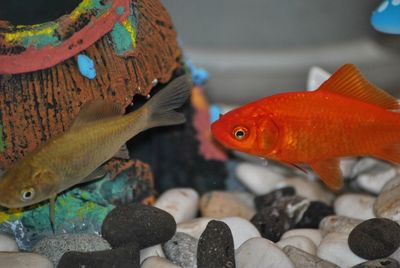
x=55, y=246
x=300, y=258
x=181, y=249
x=379, y=263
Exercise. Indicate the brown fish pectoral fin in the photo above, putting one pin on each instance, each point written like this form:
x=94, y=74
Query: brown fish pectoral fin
x=391, y=154
x=123, y=153
x=329, y=172
x=98, y=173
x=52, y=211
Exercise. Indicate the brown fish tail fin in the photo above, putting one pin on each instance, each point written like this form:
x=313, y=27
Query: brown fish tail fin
x=390, y=154
x=348, y=81
x=161, y=108
x=329, y=172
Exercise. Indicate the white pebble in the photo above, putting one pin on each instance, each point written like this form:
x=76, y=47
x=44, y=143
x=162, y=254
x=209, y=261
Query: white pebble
x=7, y=243
x=242, y=230
x=346, y=166
x=158, y=262
x=358, y=206
x=150, y=252
x=338, y=224
x=300, y=242
x=374, y=180
x=334, y=248
x=193, y=227
x=308, y=189
x=365, y=164
x=387, y=203
x=181, y=203
x=258, y=179
x=313, y=234
x=24, y=260
x=259, y=253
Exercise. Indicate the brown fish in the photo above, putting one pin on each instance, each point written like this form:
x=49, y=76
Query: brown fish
x=76, y=156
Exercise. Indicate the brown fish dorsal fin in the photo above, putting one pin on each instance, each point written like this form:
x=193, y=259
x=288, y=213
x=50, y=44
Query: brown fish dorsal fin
x=329, y=172
x=349, y=82
x=97, y=110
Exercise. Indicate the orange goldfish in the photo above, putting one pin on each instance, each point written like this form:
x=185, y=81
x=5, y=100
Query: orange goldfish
x=76, y=156
x=346, y=116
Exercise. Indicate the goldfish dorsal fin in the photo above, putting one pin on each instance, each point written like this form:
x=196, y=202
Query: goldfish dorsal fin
x=97, y=110
x=349, y=82
x=329, y=172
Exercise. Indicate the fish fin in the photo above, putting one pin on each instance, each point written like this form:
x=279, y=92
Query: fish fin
x=98, y=173
x=52, y=212
x=391, y=154
x=97, y=110
x=123, y=153
x=329, y=172
x=160, y=108
x=349, y=82
x=295, y=166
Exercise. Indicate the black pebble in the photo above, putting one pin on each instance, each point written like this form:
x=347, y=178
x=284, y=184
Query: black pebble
x=266, y=200
x=375, y=238
x=315, y=212
x=379, y=263
x=141, y=224
x=216, y=248
x=272, y=222
x=126, y=257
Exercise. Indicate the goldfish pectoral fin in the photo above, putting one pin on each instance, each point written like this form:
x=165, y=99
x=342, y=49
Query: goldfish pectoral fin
x=295, y=166
x=349, y=82
x=97, y=110
x=123, y=153
x=329, y=172
x=161, y=107
x=98, y=173
x=391, y=154
x=52, y=212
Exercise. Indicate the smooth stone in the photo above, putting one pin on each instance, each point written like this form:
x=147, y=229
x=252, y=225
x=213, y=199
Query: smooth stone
x=260, y=253
x=313, y=234
x=338, y=224
x=258, y=179
x=7, y=243
x=181, y=250
x=309, y=189
x=150, y=252
x=387, y=204
x=215, y=247
x=301, y=242
x=24, y=260
x=193, y=227
x=181, y=203
x=272, y=223
x=158, y=262
x=294, y=207
x=242, y=230
x=145, y=225
x=54, y=247
x=346, y=166
x=219, y=204
x=300, y=258
x=334, y=248
x=315, y=212
x=374, y=180
x=266, y=200
x=124, y=257
x=358, y=206
x=375, y=238
x=379, y=263
x=365, y=164
x=396, y=255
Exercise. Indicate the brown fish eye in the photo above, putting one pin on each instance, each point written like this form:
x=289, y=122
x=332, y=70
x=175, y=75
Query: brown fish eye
x=28, y=194
x=240, y=133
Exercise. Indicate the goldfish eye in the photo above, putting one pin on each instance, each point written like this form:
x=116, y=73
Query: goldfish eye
x=28, y=194
x=240, y=133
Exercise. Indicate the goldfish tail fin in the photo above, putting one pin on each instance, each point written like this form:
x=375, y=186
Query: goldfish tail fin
x=348, y=81
x=390, y=154
x=329, y=172
x=161, y=107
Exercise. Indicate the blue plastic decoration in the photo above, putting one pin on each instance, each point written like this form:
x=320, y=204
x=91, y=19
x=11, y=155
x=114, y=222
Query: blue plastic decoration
x=215, y=112
x=386, y=18
x=86, y=66
x=199, y=75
